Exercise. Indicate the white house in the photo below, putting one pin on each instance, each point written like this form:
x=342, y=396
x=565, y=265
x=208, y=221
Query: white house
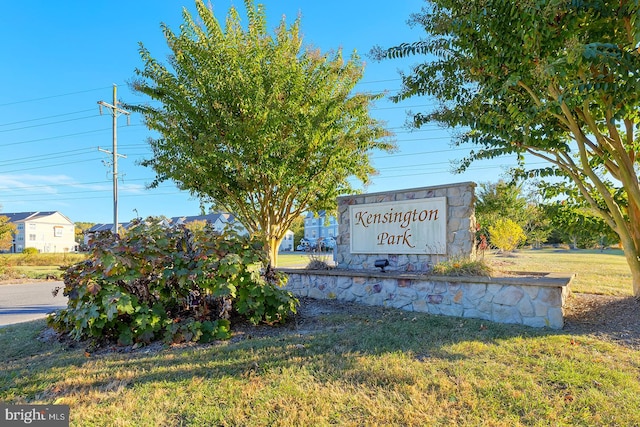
x=45, y=231
x=320, y=226
x=287, y=242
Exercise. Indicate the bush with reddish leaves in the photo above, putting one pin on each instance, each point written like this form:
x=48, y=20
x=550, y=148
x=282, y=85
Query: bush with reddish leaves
x=173, y=284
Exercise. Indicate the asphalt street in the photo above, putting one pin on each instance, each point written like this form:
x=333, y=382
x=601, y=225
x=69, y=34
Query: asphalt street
x=29, y=301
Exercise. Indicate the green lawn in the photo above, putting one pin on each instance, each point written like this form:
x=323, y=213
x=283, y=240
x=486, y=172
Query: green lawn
x=370, y=366
x=596, y=272
x=376, y=367
x=293, y=259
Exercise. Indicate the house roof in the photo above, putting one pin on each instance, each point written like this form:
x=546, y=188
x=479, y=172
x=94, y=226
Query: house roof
x=107, y=227
x=210, y=218
x=24, y=216
x=177, y=220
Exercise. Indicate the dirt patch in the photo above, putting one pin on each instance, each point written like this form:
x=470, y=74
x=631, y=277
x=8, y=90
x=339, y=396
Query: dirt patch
x=606, y=317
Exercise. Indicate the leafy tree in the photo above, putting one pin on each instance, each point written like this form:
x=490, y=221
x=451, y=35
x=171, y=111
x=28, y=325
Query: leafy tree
x=7, y=230
x=80, y=228
x=297, y=226
x=197, y=226
x=578, y=227
x=506, y=234
x=256, y=124
x=555, y=79
x=502, y=200
x=572, y=219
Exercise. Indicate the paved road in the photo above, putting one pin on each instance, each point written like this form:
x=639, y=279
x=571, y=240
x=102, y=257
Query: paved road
x=28, y=301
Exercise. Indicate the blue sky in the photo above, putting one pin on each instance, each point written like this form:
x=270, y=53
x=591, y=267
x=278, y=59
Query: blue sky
x=61, y=58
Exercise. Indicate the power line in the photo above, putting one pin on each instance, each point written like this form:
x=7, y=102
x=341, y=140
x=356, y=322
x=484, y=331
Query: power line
x=379, y=81
x=52, y=166
x=107, y=196
x=420, y=153
x=432, y=172
x=43, y=157
x=434, y=138
x=75, y=184
x=53, y=96
x=401, y=106
x=48, y=124
x=60, y=136
x=46, y=117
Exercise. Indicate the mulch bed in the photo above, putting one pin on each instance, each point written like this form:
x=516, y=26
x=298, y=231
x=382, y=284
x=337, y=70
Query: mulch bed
x=606, y=317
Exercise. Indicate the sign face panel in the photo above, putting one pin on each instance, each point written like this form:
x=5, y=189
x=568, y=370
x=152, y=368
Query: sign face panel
x=406, y=227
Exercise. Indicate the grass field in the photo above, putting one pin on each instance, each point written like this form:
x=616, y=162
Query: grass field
x=596, y=272
x=394, y=368
x=36, y=266
x=371, y=366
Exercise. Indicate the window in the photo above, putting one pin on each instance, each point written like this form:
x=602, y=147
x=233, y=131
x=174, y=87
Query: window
x=32, y=237
x=57, y=231
x=21, y=226
x=32, y=226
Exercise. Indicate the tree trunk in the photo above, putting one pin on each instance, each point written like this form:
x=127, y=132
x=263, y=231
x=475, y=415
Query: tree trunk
x=272, y=245
x=633, y=253
x=634, y=264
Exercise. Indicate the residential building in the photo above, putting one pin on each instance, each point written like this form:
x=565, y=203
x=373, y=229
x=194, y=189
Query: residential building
x=287, y=243
x=217, y=220
x=90, y=233
x=45, y=231
x=320, y=226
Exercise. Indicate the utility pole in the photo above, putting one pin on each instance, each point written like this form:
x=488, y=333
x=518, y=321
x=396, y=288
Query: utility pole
x=115, y=112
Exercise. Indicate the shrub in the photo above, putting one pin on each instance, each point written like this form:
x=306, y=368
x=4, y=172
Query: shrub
x=318, y=262
x=171, y=284
x=506, y=235
x=462, y=267
x=30, y=251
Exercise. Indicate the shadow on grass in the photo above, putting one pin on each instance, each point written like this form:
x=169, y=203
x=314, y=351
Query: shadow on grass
x=331, y=344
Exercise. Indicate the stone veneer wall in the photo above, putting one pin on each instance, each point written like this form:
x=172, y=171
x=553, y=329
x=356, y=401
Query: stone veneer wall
x=533, y=301
x=460, y=227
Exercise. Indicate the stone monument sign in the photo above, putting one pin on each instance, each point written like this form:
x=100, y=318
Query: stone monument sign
x=413, y=229
x=404, y=227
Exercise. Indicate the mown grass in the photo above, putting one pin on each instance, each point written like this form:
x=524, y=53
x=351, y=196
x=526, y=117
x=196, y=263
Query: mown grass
x=370, y=367
x=394, y=368
x=43, y=259
x=292, y=259
x=605, y=273
x=36, y=266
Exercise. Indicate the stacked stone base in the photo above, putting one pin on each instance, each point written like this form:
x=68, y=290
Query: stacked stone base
x=532, y=300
